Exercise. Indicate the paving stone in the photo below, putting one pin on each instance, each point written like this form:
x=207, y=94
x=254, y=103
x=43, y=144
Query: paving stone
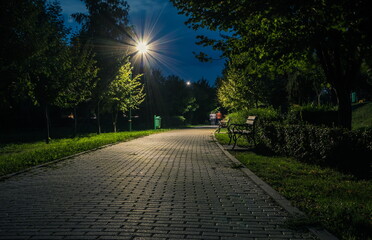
x=172, y=185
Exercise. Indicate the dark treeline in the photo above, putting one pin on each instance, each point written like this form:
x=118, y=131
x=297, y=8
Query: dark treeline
x=53, y=80
x=175, y=101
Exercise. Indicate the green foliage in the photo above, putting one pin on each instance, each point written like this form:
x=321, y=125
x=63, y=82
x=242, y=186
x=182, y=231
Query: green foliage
x=82, y=75
x=234, y=92
x=313, y=114
x=19, y=29
x=16, y=157
x=277, y=37
x=124, y=91
x=343, y=149
x=174, y=121
x=180, y=103
x=47, y=70
x=264, y=114
x=170, y=97
x=362, y=116
x=246, y=85
x=205, y=96
x=337, y=201
x=39, y=65
x=305, y=85
x=105, y=26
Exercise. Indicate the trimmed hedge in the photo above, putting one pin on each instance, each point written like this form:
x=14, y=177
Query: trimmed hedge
x=316, y=115
x=348, y=151
x=264, y=114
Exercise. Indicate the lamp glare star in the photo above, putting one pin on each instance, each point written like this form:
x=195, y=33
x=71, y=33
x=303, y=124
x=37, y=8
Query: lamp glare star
x=142, y=47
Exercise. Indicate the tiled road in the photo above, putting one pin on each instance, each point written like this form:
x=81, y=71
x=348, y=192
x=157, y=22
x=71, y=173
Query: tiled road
x=173, y=185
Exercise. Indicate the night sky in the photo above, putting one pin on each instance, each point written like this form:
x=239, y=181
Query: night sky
x=177, y=40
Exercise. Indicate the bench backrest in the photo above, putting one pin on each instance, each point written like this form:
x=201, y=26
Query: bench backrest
x=251, y=120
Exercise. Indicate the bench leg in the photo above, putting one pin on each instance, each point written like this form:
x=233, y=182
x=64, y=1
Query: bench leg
x=236, y=137
x=231, y=137
x=234, y=144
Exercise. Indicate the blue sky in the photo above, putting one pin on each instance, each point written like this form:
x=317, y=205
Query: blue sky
x=169, y=27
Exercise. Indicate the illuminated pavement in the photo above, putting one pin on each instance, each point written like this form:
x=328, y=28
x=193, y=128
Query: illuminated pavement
x=175, y=185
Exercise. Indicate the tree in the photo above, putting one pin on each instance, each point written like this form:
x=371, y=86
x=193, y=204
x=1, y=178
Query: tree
x=205, y=96
x=47, y=70
x=106, y=26
x=306, y=85
x=176, y=103
x=81, y=78
x=337, y=32
x=234, y=93
x=125, y=92
x=19, y=23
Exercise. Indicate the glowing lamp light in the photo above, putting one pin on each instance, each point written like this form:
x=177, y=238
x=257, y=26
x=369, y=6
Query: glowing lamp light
x=188, y=83
x=142, y=47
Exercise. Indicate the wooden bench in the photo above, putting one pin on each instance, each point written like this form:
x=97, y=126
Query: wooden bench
x=246, y=129
x=224, y=123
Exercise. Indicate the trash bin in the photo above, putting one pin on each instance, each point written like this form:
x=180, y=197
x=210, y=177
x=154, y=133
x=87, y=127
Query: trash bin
x=354, y=98
x=157, y=122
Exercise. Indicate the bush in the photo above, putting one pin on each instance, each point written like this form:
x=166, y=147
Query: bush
x=174, y=121
x=264, y=114
x=345, y=150
x=316, y=115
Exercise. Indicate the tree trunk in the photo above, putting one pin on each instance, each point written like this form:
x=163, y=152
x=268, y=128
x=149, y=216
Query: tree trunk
x=114, y=118
x=340, y=76
x=75, y=122
x=98, y=119
x=344, y=107
x=47, y=121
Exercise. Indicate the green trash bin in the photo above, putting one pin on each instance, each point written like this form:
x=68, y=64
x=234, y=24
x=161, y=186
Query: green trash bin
x=354, y=98
x=157, y=122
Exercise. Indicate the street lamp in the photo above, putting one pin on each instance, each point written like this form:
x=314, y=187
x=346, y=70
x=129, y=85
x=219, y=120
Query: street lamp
x=142, y=48
x=130, y=107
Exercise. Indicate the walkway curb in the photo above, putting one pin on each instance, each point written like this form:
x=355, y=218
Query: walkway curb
x=321, y=233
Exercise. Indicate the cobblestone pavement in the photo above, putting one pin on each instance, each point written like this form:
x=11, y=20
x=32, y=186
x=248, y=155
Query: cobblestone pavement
x=173, y=185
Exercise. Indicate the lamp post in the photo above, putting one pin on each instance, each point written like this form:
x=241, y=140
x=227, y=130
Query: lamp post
x=130, y=104
x=142, y=48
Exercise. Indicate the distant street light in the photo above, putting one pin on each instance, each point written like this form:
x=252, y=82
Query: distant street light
x=188, y=83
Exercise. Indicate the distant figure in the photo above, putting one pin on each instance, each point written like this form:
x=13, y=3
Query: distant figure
x=212, y=118
x=219, y=117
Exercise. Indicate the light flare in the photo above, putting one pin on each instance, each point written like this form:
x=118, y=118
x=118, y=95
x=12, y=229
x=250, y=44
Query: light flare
x=150, y=47
x=142, y=47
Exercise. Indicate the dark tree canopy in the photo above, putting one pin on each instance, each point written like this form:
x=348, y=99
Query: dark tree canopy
x=281, y=32
x=106, y=27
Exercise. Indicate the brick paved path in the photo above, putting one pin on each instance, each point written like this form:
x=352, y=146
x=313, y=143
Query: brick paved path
x=172, y=185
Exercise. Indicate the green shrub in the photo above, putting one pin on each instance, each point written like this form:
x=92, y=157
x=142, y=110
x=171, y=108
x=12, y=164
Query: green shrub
x=174, y=121
x=264, y=114
x=316, y=115
x=345, y=150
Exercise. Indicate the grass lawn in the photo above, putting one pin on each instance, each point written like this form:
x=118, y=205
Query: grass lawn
x=16, y=157
x=362, y=115
x=339, y=202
